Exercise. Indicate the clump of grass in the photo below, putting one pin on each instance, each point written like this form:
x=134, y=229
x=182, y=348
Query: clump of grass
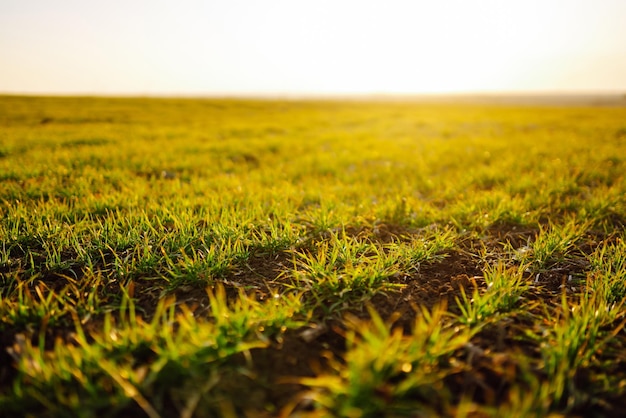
x=571, y=338
x=342, y=270
x=608, y=277
x=25, y=303
x=129, y=359
x=423, y=248
x=386, y=372
x=505, y=287
x=204, y=265
x=552, y=245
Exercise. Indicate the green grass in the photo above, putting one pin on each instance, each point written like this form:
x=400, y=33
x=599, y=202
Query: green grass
x=170, y=257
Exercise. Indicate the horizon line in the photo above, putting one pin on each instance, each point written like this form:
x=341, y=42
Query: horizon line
x=615, y=96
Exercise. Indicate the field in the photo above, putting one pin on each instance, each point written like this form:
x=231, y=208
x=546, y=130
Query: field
x=187, y=257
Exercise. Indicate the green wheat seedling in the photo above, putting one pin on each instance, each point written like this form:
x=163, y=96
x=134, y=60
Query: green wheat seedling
x=130, y=359
x=609, y=278
x=342, y=270
x=206, y=263
x=420, y=249
x=552, y=245
x=29, y=302
x=532, y=399
x=388, y=373
x=571, y=338
x=505, y=288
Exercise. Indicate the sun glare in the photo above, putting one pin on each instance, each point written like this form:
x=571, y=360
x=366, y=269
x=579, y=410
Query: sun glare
x=280, y=46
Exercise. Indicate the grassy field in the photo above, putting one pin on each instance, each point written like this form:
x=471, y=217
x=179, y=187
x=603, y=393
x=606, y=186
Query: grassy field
x=166, y=257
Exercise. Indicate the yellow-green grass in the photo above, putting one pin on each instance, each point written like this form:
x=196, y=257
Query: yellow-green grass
x=178, y=257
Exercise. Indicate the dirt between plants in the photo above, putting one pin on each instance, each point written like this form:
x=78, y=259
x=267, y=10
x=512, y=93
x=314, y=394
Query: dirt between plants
x=431, y=284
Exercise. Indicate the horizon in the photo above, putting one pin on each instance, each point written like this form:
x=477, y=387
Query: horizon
x=617, y=94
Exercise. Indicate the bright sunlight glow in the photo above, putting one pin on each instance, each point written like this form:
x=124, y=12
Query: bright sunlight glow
x=218, y=47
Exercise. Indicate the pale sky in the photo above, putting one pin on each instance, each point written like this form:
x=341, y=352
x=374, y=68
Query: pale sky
x=218, y=47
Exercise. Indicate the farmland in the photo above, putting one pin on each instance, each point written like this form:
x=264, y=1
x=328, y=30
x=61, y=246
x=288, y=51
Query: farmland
x=222, y=257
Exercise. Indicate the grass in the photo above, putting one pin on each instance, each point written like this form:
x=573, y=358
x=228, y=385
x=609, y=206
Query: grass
x=406, y=380
x=170, y=257
x=503, y=293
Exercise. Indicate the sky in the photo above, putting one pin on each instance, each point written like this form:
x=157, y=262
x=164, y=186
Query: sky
x=300, y=47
